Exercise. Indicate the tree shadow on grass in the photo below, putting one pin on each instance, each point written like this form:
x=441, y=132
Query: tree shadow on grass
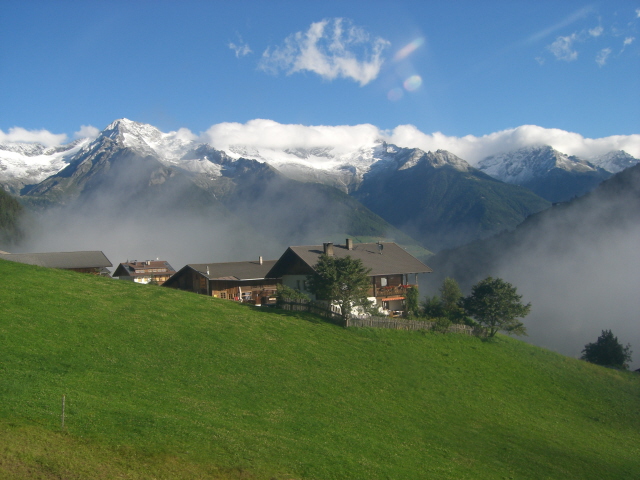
x=306, y=316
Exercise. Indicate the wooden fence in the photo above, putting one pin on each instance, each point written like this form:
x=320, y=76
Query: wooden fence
x=332, y=313
x=397, y=324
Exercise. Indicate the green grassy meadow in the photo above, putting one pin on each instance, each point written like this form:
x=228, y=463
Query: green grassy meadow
x=166, y=384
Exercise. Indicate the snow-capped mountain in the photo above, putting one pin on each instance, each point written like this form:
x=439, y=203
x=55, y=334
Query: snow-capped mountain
x=529, y=163
x=547, y=172
x=615, y=162
x=30, y=163
x=27, y=164
x=440, y=198
x=327, y=165
x=170, y=147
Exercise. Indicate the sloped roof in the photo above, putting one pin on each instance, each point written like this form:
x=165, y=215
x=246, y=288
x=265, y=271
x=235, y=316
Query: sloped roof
x=391, y=259
x=65, y=260
x=234, y=270
x=136, y=268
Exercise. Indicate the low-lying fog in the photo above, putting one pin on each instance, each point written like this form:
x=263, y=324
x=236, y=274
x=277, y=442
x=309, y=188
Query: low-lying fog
x=579, y=289
x=581, y=276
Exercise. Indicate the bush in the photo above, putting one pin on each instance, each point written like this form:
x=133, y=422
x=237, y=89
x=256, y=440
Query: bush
x=287, y=293
x=441, y=324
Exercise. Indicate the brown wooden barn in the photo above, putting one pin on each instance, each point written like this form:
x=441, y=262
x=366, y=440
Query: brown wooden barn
x=241, y=281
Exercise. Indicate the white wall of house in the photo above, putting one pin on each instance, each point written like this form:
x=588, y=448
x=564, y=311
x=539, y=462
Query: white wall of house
x=298, y=282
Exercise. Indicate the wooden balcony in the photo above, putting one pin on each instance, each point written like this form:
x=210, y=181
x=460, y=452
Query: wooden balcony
x=389, y=291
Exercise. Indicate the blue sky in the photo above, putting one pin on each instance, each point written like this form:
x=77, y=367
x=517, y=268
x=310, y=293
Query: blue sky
x=464, y=67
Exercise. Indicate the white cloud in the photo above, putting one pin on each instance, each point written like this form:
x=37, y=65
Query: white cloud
x=563, y=49
x=87, y=131
x=575, y=16
x=241, y=49
x=601, y=58
x=268, y=134
x=331, y=48
x=473, y=149
x=44, y=137
x=185, y=135
x=596, y=32
x=637, y=12
x=628, y=41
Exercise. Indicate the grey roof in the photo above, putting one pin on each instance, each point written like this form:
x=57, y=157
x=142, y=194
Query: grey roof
x=392, y=259
x=234, y=270
x=89, y=259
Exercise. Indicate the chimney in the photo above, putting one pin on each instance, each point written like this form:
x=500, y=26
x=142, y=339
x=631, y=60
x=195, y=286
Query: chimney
x=328, y=248
x=349, y=244
x=260, y=259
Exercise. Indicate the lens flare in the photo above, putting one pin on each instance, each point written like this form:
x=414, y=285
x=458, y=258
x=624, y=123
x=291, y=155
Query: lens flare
x=412, y=83
x=408, y=49
x=395, y=94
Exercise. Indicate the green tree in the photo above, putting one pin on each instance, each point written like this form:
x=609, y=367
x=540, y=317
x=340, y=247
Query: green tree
x=432, y=307
x=448, y=304
x=607, y=351
x=451, y=298
x=343, y=281
x=495, y=305
x=412, y=303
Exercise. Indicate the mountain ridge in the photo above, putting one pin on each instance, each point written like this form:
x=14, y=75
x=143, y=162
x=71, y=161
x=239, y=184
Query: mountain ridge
x=436, y=197
x=547, y=172
x=342, y=169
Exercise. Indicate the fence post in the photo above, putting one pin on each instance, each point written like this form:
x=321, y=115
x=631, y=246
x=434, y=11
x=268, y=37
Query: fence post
x=62, y=416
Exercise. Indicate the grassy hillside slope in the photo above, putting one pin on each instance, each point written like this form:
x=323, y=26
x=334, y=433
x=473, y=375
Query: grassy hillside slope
x=165, y=384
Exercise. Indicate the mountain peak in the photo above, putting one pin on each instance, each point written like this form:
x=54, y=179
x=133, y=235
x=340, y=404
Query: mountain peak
x=126, y=126
x=440, y=158
x=444, y=157
x=128, y=133
x=527, y=163
x=616, y=161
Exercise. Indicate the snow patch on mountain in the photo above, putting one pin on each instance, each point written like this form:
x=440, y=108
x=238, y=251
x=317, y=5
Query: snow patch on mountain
x=168, y=147
x=29, y=163
x=528, y=163
x=301, y=163
x=616, y=161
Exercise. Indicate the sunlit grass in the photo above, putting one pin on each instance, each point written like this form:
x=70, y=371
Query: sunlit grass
x=166, y=384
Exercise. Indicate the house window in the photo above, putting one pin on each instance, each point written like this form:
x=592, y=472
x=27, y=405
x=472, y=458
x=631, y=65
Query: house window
x=223, y=294
x=298, y=285
x=383, y=281
x=304, y=285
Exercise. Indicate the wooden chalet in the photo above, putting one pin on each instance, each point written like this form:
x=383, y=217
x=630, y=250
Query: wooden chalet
x=93, y=262
x=393, y=269
x=146, y=271
x=241, y=281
